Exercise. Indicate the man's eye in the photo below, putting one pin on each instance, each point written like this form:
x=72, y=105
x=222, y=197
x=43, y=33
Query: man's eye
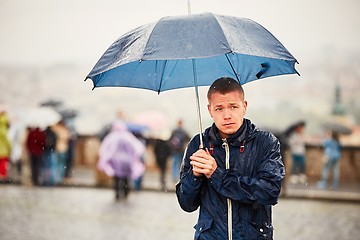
x=218, y=109
x=234, y=107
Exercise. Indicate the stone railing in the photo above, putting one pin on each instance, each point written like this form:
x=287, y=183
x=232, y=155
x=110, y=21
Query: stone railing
x=87, y=154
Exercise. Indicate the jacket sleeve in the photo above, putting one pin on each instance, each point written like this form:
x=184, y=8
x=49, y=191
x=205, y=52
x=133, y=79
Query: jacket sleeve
x=262, y=188
x=189, y=187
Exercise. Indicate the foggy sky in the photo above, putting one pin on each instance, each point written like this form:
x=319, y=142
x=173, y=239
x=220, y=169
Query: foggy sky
x=37, y=32
x=40, y=36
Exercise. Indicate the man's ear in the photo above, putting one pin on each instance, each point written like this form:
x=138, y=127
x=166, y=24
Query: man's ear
x=245, y=106
x=209, y=109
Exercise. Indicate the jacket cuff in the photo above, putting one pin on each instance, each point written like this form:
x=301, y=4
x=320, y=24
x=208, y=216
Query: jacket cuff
x=192, y=180
x=196, y=179
x=216, y=178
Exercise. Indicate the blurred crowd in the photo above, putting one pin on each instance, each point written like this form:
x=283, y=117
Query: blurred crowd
x=39, y=148
x=46, y=151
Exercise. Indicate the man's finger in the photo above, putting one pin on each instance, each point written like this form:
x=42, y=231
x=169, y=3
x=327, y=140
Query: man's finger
x=198, y=164
x=207, y=151
x=198, y=159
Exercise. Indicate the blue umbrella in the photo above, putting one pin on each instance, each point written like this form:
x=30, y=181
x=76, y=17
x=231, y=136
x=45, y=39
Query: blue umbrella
x=191, y=51
x=136, y=128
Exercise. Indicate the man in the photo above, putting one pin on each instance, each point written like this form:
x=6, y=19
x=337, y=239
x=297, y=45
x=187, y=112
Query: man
x=236, y=176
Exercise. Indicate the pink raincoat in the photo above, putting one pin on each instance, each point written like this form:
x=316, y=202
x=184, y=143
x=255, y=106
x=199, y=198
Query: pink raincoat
x=120, y=153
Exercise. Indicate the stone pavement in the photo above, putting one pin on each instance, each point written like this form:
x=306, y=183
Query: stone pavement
x=85, y=177
x=60, y=213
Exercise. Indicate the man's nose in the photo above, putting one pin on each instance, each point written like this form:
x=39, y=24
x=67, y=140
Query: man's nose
x=227, y=113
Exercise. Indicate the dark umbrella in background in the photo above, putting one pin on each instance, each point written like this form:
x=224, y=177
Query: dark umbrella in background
x=67, y=114
x=191, y=51
x=290, y=129
x=53, y=103
x=337, y=127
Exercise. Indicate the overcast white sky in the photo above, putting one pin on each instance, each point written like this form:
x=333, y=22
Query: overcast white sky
x=43, y=33
x=79, y=31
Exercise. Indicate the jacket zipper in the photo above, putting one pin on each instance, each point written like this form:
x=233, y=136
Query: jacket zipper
x=229, y=203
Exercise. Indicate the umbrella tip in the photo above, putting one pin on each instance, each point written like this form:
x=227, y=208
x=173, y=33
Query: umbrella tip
x=87, y=79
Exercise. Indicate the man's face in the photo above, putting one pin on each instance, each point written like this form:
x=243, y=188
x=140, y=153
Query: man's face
x=228, y=111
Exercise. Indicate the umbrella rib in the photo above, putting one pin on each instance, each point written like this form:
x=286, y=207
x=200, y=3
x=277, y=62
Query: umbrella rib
x=232, y=68
x=162, y=74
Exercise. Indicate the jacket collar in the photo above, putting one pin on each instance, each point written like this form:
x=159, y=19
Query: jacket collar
x=245, y=132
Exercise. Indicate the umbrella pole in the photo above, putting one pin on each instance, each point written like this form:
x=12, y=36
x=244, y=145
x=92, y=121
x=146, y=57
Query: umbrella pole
x=189, y=7
x=197, y=103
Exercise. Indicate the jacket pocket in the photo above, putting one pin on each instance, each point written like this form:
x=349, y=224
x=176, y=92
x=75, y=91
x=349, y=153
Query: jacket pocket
x=260, y=226
x=261, y=232
x=202, y=226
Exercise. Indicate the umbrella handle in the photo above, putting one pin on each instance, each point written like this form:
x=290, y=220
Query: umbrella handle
x=198, y=103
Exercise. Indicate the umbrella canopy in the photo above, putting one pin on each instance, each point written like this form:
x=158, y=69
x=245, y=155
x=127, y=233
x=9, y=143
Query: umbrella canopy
x=158, y=56
x=290, y=129
x=192, y=50
x=51, y=103
x=337, y=127
x=41, y=117
x=153, y=120
x=136, y=128
x=68, y=113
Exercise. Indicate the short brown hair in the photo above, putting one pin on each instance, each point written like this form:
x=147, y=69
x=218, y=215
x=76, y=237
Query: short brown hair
x=225, y=85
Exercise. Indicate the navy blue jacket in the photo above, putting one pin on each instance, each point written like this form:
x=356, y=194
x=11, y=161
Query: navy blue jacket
x=248, y=188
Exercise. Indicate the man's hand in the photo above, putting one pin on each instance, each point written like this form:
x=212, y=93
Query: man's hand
x=203, y=163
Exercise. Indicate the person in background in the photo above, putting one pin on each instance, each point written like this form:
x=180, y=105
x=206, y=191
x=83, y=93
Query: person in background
x=63, y=136
x=162, y=151
x=5, y=146
x=16, y=136
x=35, y=144
x=118, y=154
x=332, y=156
x=49, y=161
x=178, y=140
x=236, y=176
x=71, y=150
x=297, y=148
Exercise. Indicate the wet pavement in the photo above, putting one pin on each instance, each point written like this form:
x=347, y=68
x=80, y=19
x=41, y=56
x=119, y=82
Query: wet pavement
x=58, y=213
